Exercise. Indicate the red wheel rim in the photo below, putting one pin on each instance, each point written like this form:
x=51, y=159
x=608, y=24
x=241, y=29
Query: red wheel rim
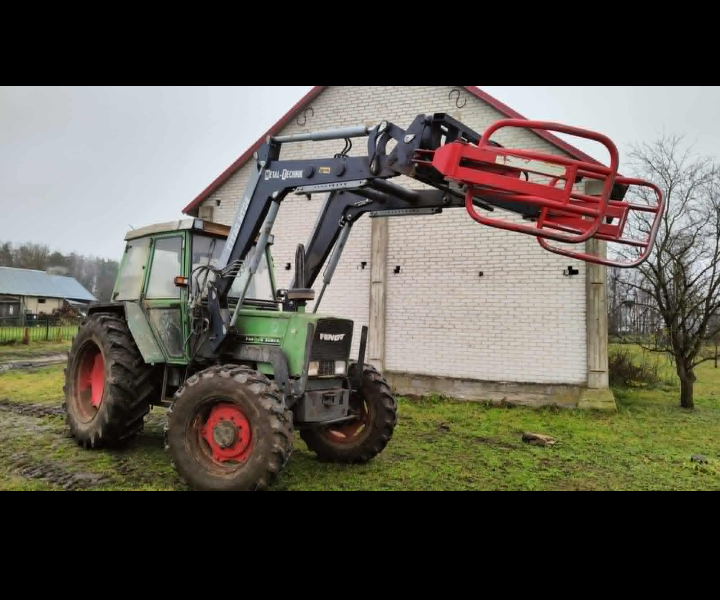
x=225, y=436
x=90, y=380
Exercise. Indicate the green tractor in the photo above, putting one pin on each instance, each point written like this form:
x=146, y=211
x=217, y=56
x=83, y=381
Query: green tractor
x=198, y=324
x=231, y=418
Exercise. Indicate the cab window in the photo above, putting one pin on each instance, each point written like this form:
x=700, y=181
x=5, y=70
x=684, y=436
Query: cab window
x=207, y=251
x=132, y=274
x=166, y=265
x=260, y=287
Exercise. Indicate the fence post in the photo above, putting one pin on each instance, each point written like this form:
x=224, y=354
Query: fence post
x=47, y=328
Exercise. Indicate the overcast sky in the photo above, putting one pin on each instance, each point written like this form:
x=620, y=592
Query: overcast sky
x=80, y=165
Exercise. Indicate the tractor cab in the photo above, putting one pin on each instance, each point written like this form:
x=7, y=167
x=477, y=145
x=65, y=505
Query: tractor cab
x=161, y=267
x=206, y=248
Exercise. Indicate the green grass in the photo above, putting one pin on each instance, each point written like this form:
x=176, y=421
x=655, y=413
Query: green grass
x=16, y=350
x=41, y=386
x=438, y=445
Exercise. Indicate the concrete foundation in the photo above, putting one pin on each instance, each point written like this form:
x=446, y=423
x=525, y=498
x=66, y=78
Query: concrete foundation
x=518, y=394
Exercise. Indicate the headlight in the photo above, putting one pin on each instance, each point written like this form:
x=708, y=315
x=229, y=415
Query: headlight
x=313, y=368
x=339, y=367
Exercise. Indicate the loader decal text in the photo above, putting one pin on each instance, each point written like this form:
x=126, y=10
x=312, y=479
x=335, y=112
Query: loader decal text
x=284, y=174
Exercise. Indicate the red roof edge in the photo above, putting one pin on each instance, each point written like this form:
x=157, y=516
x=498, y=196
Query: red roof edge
x=317, y=90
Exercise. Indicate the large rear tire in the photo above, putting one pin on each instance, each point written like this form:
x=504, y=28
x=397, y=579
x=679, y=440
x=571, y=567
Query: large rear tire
x=229, y=430
x=108, y=387
x=362, y=440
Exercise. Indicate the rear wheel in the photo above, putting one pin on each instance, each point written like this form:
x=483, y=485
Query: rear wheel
x=108, y=387
x=229, y=430
x=361, y=440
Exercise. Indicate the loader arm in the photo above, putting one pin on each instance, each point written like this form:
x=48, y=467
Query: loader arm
x=341, y=210
x=273, y=179
x=269, y=184
x=464, y=168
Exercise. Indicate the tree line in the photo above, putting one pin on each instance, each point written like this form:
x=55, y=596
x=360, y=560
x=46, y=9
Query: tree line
x=96, y=275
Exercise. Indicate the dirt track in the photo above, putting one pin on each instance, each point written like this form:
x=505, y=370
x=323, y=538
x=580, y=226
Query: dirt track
x=35, y=410
x=55, y=474
x=32, y=363
x=37, y=452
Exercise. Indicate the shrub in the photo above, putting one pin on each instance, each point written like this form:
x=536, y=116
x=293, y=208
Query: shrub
x=627, y=371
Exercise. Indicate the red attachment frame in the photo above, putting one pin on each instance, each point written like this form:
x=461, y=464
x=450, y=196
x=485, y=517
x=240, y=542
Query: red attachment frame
x=566, y=215
x=613, y=232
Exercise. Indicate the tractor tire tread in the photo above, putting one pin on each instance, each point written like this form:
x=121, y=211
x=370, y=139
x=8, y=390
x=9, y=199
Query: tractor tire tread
x=129, y=388
x=279, y=425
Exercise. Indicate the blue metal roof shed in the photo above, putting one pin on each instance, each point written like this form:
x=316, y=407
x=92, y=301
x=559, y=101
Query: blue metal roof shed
x=26, y=282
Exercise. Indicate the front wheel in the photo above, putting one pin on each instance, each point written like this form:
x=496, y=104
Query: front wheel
x=361, y=440
x=229, y=430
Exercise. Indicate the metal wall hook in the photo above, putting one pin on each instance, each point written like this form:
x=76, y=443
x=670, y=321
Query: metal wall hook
x=457, y=100
x=304, y=116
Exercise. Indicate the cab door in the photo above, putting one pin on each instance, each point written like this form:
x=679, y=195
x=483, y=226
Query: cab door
x=164, y=302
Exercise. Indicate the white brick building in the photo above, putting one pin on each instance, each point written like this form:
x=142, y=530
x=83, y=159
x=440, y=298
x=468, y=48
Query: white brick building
x=518, y=332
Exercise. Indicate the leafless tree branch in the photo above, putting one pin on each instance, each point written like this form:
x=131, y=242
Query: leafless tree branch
x=675, y=294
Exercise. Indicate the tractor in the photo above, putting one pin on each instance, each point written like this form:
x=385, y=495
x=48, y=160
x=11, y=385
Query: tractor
x=197, y=323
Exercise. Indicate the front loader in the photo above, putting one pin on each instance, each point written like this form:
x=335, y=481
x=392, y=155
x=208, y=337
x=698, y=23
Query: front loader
x=197, y=323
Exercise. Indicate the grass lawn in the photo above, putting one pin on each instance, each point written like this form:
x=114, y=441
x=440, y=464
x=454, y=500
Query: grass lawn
x=9, y=352
x=438, y=445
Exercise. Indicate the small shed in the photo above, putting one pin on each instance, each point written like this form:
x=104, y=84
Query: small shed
x=30, y=293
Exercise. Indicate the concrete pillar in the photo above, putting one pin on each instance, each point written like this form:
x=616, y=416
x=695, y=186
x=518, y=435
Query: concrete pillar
x=378, y=262
x=597, y=394
x=597, y=318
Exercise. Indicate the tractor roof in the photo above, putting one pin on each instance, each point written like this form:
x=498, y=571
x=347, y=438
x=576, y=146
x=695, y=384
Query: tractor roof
x=183, y=224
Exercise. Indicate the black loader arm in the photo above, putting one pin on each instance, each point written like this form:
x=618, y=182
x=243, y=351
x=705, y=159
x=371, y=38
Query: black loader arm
x=384, y=199
x=354, y=186
x=271, y=181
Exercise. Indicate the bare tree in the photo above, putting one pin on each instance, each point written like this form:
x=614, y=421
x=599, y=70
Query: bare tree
x=678, y=288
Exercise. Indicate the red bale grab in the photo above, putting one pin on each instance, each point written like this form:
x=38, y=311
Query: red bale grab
x=564, y=214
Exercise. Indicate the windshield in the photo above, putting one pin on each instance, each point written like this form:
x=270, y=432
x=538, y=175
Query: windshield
x=208, y=250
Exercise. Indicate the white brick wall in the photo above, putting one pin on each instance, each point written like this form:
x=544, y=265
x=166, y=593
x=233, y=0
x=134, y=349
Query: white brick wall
x=522, y=321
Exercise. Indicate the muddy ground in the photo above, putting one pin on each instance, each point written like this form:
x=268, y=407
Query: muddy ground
x=36, y=452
